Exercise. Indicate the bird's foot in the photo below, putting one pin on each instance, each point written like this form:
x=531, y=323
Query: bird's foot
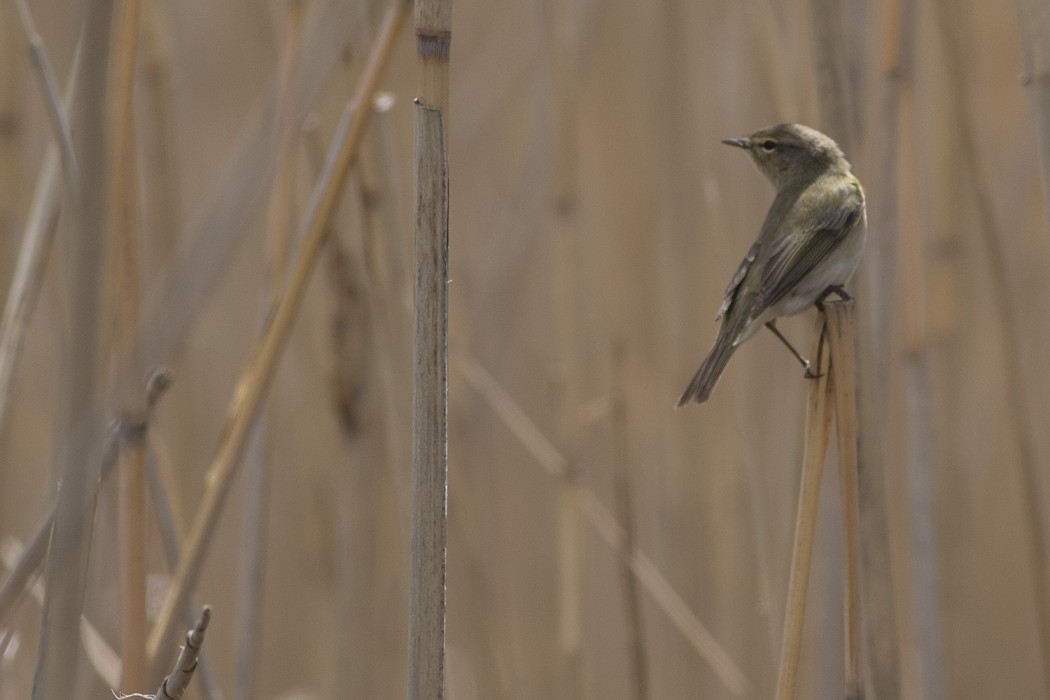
x=835, y=289
x=809, y=374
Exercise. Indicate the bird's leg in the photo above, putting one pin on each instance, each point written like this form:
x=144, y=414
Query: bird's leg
x=835, y=289
x=772, y=325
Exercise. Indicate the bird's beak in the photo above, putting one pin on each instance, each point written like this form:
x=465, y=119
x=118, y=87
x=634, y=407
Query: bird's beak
x=739, y=143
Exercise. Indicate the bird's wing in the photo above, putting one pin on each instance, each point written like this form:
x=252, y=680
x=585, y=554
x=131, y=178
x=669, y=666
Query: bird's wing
x=821, y=224
x=737, y=279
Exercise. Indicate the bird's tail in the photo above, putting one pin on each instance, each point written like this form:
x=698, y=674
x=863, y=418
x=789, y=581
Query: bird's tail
x=710, y=371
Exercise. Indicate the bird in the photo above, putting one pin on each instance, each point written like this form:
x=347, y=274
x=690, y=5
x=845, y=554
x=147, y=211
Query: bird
x=808, y=247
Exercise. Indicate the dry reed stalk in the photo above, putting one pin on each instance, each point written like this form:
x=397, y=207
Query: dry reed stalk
x=628, y=544
x=1035, y=44
x=162, y=489
x=279, y=213
x=159, y=152
x=132, y=525
x=835, y=93
x=841, y=342
x=879, y=283
x=256, y=377
x=52, y=99
x=125, y=295
x=570, y=522
x=380, y=269
x=562, y=38
x=174, y=684
x=818, y=422
x=249, y=623
x=766, y=25
x=168, y=484
x=1016, y=388
x=41, y=225
x=80, y=423
x=839, y=116
x=924, y=655
x=378, y=276
x=29, y=273
x=367, y=318
x=426, y=621
x=606, y=527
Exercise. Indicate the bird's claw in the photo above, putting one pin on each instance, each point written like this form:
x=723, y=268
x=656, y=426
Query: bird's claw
x=835, y=289
x=809, y=372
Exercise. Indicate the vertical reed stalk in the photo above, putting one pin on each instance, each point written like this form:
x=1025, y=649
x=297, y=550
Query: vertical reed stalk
x=628, y=544
x=561, y=33
x=818, y=423
x=426, y=622
x=41, y=225
x=123, y=249
x=163, y=491
x=844, y=388
x=924, y=646
x=832, y=59
x=249, y=624
x=81, y=421
x=878, y=295
x=49, y=87
x=132, y=524
x=159, y=150
x=1035, y=44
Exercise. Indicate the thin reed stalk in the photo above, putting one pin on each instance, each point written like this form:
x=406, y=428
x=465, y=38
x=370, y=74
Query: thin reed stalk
x=132, y=525
x=843, y=386
x=878, y=282
x=80, y=421
x=249, y=623
x=49, y=88
x=257, y=375
x=831, y=58
x=1035, y=45
x=924, y=645
x=636, y=646
x=174, y=684
x=125, y=295
x=426, y=618
x=836, y=97
x=162, y=490
x=37, y=241
x=562, y=38
x=818, y=424
x=161, y=197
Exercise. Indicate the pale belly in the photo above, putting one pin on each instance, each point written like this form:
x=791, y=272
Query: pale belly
x=836, y=270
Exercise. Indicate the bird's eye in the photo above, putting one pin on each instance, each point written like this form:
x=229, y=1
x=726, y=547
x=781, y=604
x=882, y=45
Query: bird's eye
x=769, y=145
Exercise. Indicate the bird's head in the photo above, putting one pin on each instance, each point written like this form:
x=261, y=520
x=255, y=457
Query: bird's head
x=792, y=153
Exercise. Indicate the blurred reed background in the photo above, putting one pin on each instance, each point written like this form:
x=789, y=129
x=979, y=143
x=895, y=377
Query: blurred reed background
x=595, y=220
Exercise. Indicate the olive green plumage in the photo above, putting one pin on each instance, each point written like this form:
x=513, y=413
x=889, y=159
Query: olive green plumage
x=811, y=240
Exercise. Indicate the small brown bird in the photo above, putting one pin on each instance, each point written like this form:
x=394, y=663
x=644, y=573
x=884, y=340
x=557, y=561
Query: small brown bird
x=809, y=245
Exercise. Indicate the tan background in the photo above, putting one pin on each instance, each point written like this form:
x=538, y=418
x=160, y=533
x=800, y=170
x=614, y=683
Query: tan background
x=593, y=208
